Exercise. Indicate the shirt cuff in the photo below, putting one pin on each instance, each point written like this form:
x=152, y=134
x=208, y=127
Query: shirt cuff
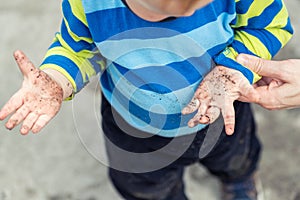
x=227, y=59
x=64, y=83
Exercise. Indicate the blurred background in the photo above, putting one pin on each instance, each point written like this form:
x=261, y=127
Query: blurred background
x=55, y=165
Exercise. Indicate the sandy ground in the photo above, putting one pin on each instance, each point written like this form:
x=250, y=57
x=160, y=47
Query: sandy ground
x=55, y=165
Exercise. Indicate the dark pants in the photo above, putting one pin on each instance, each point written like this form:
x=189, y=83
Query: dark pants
x=232, y=159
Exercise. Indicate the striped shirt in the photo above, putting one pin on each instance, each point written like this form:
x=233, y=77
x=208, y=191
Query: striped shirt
x=150, y=70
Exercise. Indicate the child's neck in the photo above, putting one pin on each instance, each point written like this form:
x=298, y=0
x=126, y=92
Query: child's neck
x=144, y=13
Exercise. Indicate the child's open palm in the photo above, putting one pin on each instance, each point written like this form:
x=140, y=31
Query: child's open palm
x=36, y=103
x=216, y=94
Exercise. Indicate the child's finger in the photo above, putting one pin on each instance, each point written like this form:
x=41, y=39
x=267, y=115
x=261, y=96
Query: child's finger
x=23, y=62
x=200, y=116
x=211, y=115
x=11, y=106
x=229, y=129
x=201, y=94
x=191, y=107
x=229, y=117
x=195, y=120
x=17, y=117
x=40, y=123
x=204, y=105
x=28, y=123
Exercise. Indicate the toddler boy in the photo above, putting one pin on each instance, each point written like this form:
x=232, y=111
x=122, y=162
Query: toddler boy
x=153, y=54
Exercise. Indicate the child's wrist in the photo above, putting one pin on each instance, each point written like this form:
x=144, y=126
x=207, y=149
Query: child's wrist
x=61, y=80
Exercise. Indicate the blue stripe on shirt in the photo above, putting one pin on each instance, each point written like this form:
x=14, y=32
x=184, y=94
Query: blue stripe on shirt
x=95, y=62
x=243, y=6
x=178, y=25
x=182, y=46
x=76, y=46
x=268, y=15
x=223, y=60
x=73, y=70
x=157, y=120
x=165, y=79
x=55, y=44
x=146, y=98
x=268, y=39
x=76, y=26
x=288, y=26
x=94, y=6
x=240, y=47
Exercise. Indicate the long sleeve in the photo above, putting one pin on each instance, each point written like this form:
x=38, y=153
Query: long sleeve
x=261, y=28
x=73, y=52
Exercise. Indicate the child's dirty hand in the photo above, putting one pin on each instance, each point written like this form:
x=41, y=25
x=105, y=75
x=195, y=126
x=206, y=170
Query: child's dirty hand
x=36, y=103
x=217, y=92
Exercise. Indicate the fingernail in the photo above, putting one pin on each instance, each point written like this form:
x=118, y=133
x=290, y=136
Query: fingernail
x=9, y=126
x=24, y=130
x=16, y=54
x=204, y=120
x=36, y=129
x=229, y=130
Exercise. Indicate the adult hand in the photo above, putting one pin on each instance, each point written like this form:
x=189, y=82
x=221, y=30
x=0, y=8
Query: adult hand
x=280, y=86
x=216, y=94
x=36, y=103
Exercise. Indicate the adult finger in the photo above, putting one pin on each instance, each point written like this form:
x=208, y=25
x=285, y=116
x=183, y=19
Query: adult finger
x=277, y=98
x=40, y=123
x=28, y=123
x=247, y=91
x=261, y=66
x=12, y=105
x=23, y=62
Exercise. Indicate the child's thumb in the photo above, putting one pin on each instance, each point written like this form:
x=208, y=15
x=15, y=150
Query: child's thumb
x=23, y=62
